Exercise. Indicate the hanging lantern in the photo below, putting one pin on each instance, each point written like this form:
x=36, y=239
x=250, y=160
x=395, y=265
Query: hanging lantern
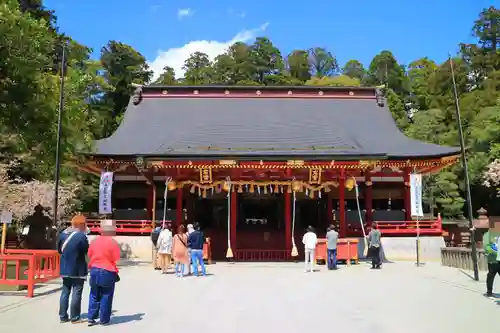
x=193, y=188
x=258, y=189
x=265, y=189
x=327, y=189
x=350, y=183
x=246, y=187
x=252, y=188
x=240, y=189
x=311, y=194
x=276, y=188
x=289, y=189
x=271, y=189
x=226, y=186
x=172, y=186
x=199, y=192
x=296, y=186
x=212, y=191
x=281, y=189
x=204, y=193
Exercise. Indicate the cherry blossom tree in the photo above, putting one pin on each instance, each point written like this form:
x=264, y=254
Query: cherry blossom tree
x=492, y=175
x=20, y=197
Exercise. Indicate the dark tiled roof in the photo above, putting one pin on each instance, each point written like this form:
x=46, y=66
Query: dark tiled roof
x=263, y=127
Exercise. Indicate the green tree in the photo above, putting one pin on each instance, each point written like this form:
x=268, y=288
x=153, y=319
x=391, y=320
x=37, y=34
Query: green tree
x=354, y=69
x=385, y=70
x=167, y=77
x=266, y=58
x=123, y=65
x=419, y=73
x=198, y=69
x=298, y=65
x=322, y=62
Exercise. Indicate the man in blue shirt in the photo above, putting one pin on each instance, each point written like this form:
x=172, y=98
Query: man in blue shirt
x=195, y=243
x=73, y=246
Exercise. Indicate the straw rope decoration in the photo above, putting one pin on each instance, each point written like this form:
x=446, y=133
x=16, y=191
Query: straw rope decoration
x=294, y=253
x=165, y=196
x=229, y=253
x=360, y=217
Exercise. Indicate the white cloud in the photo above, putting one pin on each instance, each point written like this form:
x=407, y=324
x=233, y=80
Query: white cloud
x=232, y=12
x=184, y=12
x=175, y=57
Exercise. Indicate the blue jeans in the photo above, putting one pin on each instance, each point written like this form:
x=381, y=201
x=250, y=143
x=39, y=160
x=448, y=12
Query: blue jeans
x=102, y=289
x=332, y=258
x=179, y=269
x=197, y=258
x=75, y=285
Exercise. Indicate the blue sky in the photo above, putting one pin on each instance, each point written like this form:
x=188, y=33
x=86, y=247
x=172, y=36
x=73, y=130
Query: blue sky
x=165, y=32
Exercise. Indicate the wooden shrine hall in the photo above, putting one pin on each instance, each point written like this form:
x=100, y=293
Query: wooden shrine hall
x=283, y=158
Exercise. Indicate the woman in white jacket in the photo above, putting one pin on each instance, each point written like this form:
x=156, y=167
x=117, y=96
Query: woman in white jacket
x=165, y=247
x=310, y=240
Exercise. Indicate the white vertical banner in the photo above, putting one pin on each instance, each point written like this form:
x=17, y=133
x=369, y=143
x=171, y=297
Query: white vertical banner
x=416, y=195
x=105, y=187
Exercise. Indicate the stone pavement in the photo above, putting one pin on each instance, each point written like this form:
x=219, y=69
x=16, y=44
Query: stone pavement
x=267, y=297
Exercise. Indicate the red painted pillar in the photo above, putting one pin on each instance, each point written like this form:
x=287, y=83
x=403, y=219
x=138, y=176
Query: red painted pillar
x=150, y=201
x=288, y=221
x=407, y=199
x=179, y=219
x=368, y=199
x=234, y=217
x=343, y=222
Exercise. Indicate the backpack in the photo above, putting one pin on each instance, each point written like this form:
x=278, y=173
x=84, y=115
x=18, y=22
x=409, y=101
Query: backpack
x=154, y=236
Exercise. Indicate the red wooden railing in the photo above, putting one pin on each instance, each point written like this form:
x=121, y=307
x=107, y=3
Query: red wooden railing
x=403, y=228
x=31, y=267
x=123, y=226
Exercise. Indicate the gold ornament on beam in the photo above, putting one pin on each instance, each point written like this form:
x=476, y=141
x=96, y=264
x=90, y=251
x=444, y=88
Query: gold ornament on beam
x=350, y=183
x=296, y=186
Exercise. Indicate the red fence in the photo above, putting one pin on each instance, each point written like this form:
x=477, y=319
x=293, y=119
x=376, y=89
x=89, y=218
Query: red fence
x=123, y=226
x=404, y=228
x=388, y=228
x=28, y=267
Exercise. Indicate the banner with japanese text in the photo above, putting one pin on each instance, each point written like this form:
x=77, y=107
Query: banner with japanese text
x=105, y=190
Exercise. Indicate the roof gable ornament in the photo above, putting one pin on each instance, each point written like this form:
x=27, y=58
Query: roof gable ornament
x=380, y=96
x=137, y=96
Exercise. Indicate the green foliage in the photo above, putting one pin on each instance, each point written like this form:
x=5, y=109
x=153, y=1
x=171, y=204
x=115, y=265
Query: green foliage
x=419, y=96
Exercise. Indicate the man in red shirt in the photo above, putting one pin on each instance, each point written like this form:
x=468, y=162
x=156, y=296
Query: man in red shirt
x=104, y=253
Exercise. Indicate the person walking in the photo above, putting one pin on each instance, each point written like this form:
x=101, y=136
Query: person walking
x=72, y=245
x=180, y=251
x=165, y=248
x=195, y=242
x=491, y=241
x=374, y=245
x=190, y=230
x=104, y=254
x=332, y=237
x=310, y=240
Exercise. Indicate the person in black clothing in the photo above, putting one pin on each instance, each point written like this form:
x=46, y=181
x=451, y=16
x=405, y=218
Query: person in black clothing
x=195, y=243
x=154, y=239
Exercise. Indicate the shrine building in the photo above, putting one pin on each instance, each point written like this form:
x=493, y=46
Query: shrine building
x=287, y=157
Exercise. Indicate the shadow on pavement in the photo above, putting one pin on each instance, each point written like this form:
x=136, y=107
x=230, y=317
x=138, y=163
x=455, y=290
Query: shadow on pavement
x=22, y=293
x=116, y=320
x=467, y=274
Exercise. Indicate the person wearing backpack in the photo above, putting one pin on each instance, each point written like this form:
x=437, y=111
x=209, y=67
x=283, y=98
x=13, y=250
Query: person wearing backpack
x=72, y=245
x=491, y=241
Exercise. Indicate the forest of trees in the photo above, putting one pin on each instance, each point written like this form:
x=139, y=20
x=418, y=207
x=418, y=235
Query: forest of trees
x=419, y=95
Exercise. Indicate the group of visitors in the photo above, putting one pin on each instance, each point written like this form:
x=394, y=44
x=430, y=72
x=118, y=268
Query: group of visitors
x=77, y=257
x=310, y=240
x=183, y=248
